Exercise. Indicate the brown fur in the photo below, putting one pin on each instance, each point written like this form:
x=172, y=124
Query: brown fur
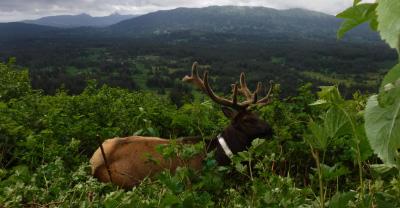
x=131, y=159
x=128, y=157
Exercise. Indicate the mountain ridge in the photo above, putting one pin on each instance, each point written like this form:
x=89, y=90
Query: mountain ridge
x=80, y=20
x=237, y=20
x=259, y=21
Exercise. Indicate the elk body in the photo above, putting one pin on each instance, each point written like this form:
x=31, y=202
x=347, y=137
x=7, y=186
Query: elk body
x=129, y=160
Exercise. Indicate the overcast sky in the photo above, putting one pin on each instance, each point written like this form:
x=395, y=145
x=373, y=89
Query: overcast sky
x=15, y=10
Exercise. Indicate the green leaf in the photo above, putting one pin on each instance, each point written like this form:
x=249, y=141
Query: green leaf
x=257, y=142
x=356, y=15
x=152, y=131
x=3, y=174
x=383, y=171
x=245, y=155
x=355, y=2
x=382, y=119
x=386, y=200
x=336, y=123
x=381, y=168
x=346, y=26
x=340, y=200
x=330, y=94
x=113, y=199
x=391, y=77
x=363, y=144
x=3, y=105
x=318, y=102
x=332, y=172
x=172, y=183
x=382, y=125
x=240, y=167
x=318, y=138
x=138, y=132
x=373, y=24
x=388, y=12
x=169, y=200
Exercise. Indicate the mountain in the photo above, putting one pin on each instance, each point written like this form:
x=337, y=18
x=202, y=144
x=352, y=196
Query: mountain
x=18, y=30
x=263, y=21
x=81, y=20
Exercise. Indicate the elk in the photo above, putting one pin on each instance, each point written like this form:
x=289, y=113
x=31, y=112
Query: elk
x=125, y=161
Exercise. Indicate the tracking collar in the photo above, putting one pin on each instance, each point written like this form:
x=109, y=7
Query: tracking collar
x=224, y=146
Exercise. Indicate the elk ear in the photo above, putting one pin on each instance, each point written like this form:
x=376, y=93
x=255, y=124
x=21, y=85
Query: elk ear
x=229, y=113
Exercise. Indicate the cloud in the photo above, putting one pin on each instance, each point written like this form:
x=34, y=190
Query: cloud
x=15, y=10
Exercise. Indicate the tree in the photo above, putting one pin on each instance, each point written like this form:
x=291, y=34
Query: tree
x=14, y=82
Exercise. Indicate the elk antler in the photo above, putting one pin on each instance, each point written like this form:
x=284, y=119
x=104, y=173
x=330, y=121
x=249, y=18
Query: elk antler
x=251, y=98
x=265, y=100
x=194, y=78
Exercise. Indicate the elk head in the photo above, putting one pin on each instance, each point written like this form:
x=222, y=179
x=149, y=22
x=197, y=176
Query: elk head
x=245, y=125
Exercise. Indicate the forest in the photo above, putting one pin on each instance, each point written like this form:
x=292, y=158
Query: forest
x=335, y=117
x=160, y=63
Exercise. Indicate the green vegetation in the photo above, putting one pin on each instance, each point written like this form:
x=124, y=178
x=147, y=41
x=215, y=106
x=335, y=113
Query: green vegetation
x=321, y=154
x=343, y=80
x=159, y=63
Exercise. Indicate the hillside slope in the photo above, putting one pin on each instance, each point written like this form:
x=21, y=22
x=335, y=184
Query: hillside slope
x=81, y=20
x=248, y=21
x=238, y=20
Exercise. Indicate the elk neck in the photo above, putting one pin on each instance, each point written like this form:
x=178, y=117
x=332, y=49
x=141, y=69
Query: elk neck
x=236, y=141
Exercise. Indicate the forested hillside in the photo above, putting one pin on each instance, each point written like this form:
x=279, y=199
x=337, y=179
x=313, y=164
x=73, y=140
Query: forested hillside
x=332, y=146
x=256, y=21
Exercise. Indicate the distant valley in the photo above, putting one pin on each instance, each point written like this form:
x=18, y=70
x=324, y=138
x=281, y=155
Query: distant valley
x=154, y=51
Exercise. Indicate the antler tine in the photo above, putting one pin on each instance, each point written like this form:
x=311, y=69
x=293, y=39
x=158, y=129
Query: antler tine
x=218, y=99
x=258, y=89
x=194, y=77
x=265, y=100
x=243, y=87
x=234, y=95
x=251, y=97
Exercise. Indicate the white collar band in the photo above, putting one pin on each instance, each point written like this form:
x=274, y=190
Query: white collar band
x=224, y=146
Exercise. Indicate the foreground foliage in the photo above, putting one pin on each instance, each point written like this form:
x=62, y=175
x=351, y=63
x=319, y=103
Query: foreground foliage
x=321, y=153
x=46, y=141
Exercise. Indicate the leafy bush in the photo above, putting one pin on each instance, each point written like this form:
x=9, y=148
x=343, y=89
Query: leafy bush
x=320, y=155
